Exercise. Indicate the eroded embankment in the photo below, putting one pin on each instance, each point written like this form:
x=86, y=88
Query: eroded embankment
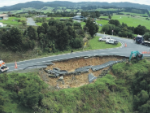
x=70, y=66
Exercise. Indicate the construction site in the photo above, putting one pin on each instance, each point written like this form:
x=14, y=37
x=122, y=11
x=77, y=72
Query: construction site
x=90, y=69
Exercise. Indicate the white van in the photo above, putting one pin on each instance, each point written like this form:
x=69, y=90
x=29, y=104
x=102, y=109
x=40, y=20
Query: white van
x=104, y=38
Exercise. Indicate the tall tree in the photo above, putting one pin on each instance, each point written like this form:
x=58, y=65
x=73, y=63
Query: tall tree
x=92, y=27
x=31, y=32
x=40, y=29
x=45, y=26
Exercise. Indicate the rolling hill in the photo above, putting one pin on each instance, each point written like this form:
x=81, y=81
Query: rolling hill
x=39, y=5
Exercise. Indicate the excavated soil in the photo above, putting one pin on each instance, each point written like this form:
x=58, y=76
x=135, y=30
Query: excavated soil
x=70, y=65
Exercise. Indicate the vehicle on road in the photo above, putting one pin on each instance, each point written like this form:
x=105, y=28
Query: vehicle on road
x=140, y=40
x=136, y=54
x=111, y=41
x=3, y=66
x=104, y=38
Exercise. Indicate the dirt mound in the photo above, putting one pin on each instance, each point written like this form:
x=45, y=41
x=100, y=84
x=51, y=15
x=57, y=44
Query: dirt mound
x=70, y=65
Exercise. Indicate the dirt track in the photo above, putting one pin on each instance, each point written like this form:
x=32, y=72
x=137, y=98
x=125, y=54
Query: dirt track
x=70, y=65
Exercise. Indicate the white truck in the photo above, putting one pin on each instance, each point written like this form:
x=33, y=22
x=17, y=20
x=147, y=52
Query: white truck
x=111, y=41
x=3, y=66
x=104, y=38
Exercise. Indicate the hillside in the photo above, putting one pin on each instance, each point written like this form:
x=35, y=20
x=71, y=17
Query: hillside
x=125, y=89
x=39, y=5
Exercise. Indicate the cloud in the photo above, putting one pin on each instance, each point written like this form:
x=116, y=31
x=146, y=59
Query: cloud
x=13, y=2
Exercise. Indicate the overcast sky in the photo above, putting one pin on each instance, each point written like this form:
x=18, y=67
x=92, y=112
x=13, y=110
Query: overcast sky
x=12, y=2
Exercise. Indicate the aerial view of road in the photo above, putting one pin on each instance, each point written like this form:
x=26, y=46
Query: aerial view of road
x=121, y=51
x=31, y=22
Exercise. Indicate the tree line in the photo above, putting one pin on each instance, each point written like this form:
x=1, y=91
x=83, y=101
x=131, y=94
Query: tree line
x=52, y=36
x=123, y=30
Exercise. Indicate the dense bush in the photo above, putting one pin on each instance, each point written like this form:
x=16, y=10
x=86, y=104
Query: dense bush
x=51, y=36
x=137, y=81
x=123, y=30
x=24, y=89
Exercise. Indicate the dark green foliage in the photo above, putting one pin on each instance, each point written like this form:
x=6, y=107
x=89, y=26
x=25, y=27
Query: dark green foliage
x=92, y=27
x=52, y=22
x=12, y=39
x=120, y=30
x=45, y=26
x=108, y=28
x=137, y=78
x=140, y=30
x=23, y=89
x=61, y=14
x=114, y=22
x=31, y=33
x=92, y=14
x=77, y=25
x=147, y=36
x=63, y=39
x=50, y=37
x=77, y=43
x=40, y=29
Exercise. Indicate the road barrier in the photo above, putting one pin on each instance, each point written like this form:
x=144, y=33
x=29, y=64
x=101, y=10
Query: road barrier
x=145, y=52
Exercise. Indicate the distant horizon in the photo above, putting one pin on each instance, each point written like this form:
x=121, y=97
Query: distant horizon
x=10, y=3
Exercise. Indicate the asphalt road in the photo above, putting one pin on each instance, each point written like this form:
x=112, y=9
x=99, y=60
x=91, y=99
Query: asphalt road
x=31, y=22
x=121, y=51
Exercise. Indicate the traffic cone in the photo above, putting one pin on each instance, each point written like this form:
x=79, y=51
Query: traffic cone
x=16, y=65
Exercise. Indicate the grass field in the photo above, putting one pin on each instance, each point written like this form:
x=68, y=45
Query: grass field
x=13, y=21
x=135, y=14
x=95, y=44
x=103, y=22
x=132, y=21
x=39, y=24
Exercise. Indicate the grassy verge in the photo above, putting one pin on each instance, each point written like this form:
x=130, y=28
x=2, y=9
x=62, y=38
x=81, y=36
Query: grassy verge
x=95, y=44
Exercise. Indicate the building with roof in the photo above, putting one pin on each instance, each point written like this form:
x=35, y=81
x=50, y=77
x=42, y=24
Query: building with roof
x=3, y=16
x=78, y=18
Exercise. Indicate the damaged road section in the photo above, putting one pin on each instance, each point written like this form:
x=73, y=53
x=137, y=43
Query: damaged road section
x=78, y=71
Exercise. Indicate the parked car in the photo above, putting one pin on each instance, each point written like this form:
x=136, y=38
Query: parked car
x=111, y=41
x=104, y=38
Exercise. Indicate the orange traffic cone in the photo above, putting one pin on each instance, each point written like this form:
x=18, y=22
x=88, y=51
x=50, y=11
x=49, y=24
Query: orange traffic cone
x=16, y=65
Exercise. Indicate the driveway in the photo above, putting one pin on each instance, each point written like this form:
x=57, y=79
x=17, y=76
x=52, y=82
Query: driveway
x=31, y=22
